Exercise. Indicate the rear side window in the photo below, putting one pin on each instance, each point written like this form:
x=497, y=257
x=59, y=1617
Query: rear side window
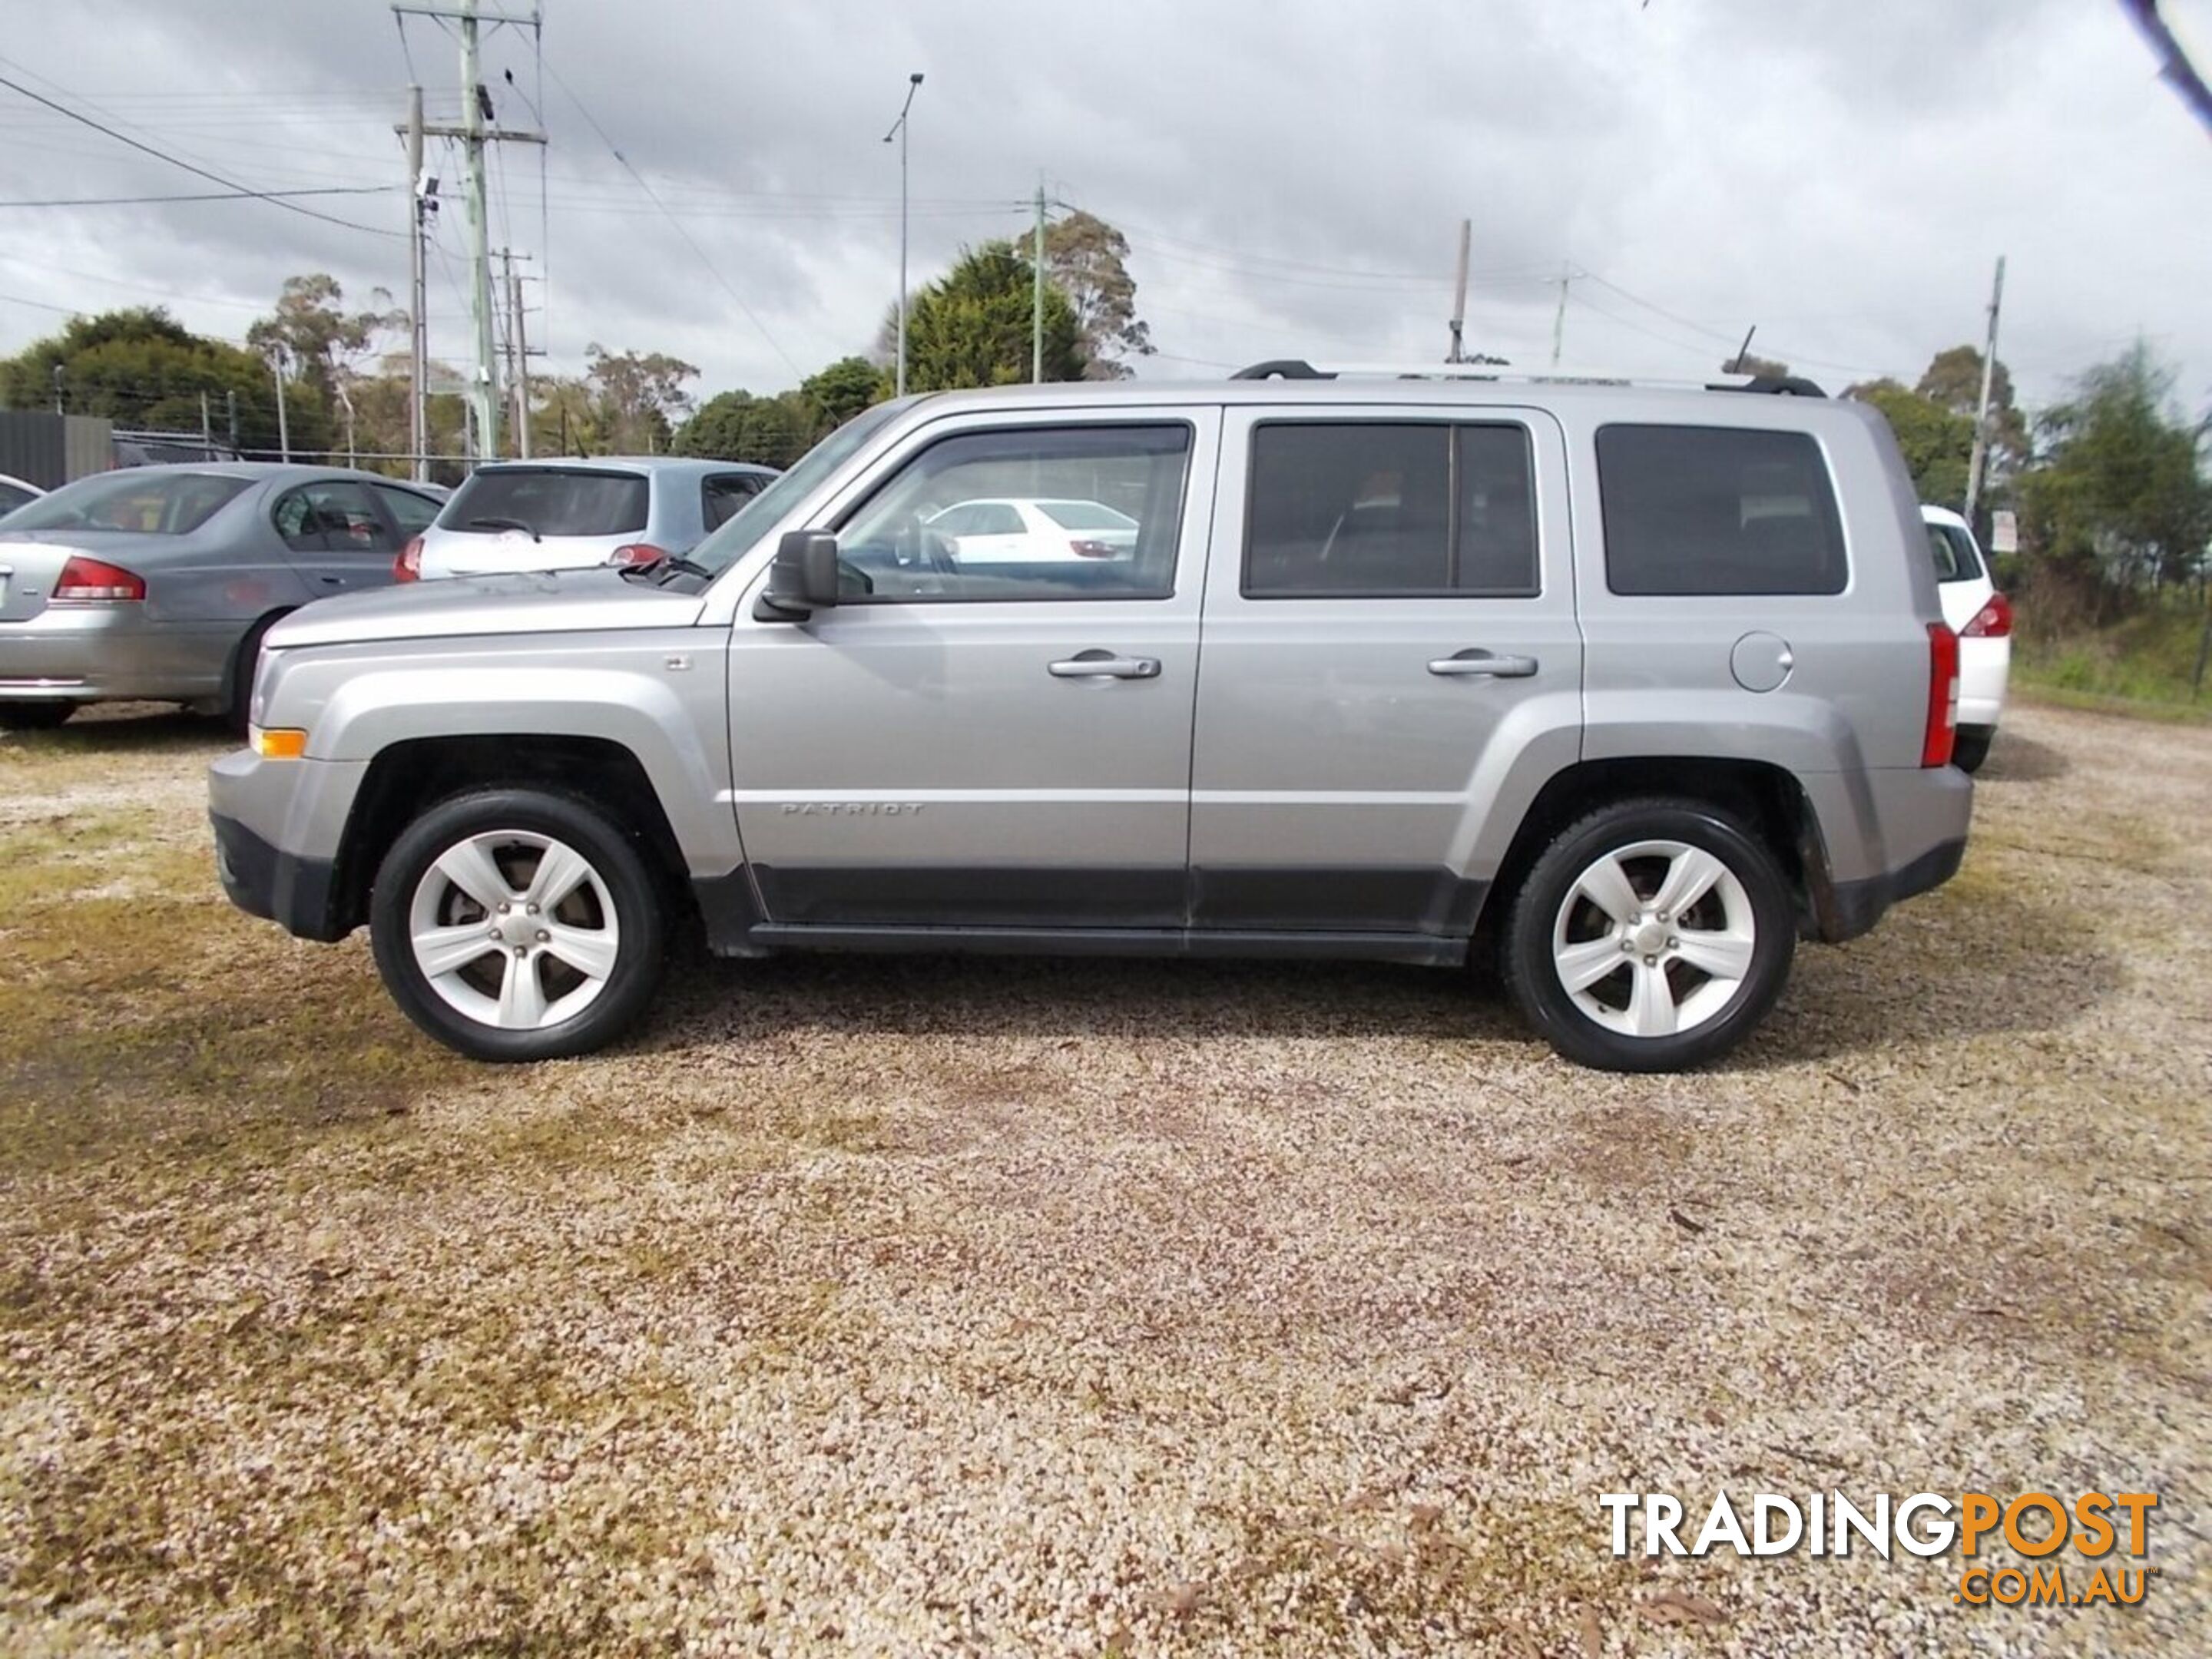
x=721, y=495
x=1377, y=510
x=1698, y=509
x=1954, y=550
x=551, y=501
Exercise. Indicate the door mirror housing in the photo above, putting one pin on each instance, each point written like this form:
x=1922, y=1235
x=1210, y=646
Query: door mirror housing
x=802, y=580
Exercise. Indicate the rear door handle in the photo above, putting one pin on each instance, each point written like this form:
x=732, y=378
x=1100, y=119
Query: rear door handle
x=1471, y=663
x=1103, y=666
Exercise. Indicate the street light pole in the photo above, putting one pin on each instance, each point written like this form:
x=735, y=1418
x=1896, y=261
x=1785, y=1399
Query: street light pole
x=898, y=131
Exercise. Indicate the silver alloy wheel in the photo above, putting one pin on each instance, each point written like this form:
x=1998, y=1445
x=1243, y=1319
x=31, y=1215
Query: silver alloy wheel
x=1654, y=939
x=514, y=929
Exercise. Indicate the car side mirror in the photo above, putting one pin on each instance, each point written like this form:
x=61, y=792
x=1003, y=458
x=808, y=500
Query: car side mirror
x=802, y=580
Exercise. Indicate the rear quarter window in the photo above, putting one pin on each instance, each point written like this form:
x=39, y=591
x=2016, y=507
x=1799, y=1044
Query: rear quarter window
x=1717, y=510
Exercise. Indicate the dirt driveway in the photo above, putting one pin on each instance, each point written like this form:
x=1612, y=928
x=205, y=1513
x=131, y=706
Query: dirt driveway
x=1008, y=1306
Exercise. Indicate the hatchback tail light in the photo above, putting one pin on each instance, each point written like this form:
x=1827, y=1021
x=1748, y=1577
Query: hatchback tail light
x=1992, y=622
x=1943, y=729
x=1089, y=549
x=408, y=566
x=637, y=556
x=85, y=578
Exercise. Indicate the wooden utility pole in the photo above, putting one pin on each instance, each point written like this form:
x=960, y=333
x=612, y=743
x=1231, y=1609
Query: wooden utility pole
x=1036, y=294
x=1458, y=353
x=1982, y=410
x=418, y=354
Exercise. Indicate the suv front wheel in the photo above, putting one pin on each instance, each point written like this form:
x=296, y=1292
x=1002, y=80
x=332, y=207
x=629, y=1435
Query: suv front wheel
x=517, y=925
x=1650, y=936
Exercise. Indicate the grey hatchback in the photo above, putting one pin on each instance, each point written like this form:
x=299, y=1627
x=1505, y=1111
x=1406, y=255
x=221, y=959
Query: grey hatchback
x=157, y=583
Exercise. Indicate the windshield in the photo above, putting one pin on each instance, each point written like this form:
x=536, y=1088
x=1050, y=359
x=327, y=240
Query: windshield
x=140, y=502
x=550, y=501
x=1086, y=515
x=742, y=533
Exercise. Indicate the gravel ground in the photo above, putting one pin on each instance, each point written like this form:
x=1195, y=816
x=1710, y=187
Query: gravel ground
x=914, y=1306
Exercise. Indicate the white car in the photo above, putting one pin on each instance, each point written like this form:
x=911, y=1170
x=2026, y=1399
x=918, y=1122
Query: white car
x=1982, y=618
x=1011, y=530
x=568, y=513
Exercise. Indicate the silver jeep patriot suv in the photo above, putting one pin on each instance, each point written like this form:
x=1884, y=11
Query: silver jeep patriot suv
x=1629, y=688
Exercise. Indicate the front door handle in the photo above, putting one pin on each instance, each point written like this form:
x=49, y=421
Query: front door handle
x=1474, y=662
x=1103, y=666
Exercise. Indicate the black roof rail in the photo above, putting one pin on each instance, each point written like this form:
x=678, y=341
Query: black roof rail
x=1281, y=368
x=1780, y=386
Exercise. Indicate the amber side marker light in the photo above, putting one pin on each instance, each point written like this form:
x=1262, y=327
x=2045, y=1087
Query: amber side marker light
x=278, y=742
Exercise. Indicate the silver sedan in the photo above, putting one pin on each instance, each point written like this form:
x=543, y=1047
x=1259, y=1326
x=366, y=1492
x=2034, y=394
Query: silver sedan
x=157, y=583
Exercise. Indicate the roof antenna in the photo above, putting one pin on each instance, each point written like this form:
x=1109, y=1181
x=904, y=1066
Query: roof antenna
x=1735, y=363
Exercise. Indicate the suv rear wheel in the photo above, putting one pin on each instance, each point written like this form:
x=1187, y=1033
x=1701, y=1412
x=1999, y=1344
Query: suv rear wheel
x=1650, y=936
x=517, y=925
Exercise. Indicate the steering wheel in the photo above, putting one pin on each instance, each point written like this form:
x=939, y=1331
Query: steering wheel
x=916, y=546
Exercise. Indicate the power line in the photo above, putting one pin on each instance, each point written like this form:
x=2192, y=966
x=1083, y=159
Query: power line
x=203, y=196
x=175, y=161
x=560, y=81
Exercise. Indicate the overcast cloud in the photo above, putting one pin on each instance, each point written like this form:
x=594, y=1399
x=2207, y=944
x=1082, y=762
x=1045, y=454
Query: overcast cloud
x=1290, y=173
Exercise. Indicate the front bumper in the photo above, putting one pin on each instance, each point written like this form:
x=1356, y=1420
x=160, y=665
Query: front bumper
x=96, y=654
x=279, y=826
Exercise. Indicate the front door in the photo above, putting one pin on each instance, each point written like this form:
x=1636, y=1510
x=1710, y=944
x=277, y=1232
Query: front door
x=999, y=743
x=1390, y=647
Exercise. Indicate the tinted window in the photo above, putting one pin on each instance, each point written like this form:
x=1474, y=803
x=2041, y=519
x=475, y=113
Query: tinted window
x=157, y=503
x=550, y=501
x=413, y=513
x=335, y=517
x=1955, y=554
x=721, y=497
x=890, y=538
x=1385, y=511
x=1695, y=509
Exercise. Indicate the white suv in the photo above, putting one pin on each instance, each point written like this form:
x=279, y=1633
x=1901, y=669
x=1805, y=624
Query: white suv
x=1982, y=618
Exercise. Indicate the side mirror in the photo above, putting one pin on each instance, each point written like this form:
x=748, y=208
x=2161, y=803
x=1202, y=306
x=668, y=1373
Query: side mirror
x=804, y=578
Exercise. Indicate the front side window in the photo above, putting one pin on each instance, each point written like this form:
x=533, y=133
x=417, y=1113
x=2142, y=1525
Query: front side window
x=1383, y=510
x=1717, y=510
x=960, y=521
x=550, y=501
x=147, y=503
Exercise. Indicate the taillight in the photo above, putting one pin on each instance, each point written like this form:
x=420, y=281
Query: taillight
x=1992, y=622
x=1086, y=550
x=1942, y=697
x=408, y=566
x=637, y=556
x=83, y=578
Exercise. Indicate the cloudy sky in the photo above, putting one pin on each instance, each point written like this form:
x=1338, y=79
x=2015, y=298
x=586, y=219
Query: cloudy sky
x=1290, y=173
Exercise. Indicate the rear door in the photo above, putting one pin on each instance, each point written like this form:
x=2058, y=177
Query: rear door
x=1389, y=624
x=337, y=537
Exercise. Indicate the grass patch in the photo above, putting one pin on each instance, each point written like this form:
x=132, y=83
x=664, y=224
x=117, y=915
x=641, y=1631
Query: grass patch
x=2143, y=663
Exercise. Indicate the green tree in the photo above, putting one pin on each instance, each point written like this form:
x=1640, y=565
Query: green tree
x=842, y=389
x=2123, y=497
x=1087, y=259
x=971, y=326
x=322, y=340
x=141, y=367
x=736, y=426
x=1937, y=443
x=638, y=397
x=1953, y=381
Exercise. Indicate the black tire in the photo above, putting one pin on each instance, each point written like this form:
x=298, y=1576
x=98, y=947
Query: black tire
x=34, y=716
x=237, y=697
x=1534, y=977
x=1972, y=747
x=614, y=859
